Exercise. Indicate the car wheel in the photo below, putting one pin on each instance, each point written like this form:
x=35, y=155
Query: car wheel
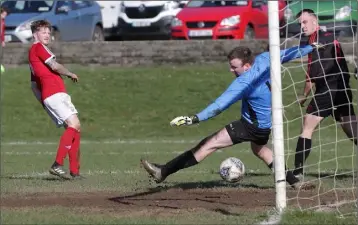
x=55, y=36
x=249, y=33
x=98, y=34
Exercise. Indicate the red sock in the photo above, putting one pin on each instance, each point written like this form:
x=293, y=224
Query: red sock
x=74, y=154
x=65, y=144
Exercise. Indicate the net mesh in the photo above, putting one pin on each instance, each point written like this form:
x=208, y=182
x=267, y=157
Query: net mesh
x=331, y=165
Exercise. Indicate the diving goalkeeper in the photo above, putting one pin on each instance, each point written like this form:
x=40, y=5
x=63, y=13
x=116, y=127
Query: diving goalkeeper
x=253, y=86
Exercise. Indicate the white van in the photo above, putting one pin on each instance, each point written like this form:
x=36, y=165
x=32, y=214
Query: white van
x=110, y=14
x=147, y=18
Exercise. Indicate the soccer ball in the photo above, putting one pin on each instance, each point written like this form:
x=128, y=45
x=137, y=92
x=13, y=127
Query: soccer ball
x=232, y=170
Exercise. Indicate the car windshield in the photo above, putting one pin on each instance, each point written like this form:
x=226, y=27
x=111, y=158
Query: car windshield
x=197, y=4
x=28, y=6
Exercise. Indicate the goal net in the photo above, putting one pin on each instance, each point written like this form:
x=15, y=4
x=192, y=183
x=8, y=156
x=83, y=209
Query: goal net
x=332, y=161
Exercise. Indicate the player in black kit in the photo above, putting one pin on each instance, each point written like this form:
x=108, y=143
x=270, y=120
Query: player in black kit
x=328, y=72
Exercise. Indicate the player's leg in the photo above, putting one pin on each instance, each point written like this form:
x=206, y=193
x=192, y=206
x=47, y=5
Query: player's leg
x=61, y=108
x=207, y=146
x=345, y=114
x=319, y=108
x=74, y=153
x=265, y=154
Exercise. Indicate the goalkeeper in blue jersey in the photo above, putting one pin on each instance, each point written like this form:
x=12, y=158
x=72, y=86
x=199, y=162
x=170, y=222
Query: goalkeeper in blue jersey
x=252, y=85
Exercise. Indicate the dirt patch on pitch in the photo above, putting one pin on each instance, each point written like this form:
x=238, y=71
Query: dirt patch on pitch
x=166, y=201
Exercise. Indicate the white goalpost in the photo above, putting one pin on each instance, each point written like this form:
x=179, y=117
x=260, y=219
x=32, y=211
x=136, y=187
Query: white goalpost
x=332, y=163
x=277, y=116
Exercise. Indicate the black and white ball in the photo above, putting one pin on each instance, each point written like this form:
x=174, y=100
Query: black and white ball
x=232, y=170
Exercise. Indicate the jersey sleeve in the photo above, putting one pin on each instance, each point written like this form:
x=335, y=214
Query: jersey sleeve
x=295, y=52
x=237, y=89
x=231, y=95
x=44, y=53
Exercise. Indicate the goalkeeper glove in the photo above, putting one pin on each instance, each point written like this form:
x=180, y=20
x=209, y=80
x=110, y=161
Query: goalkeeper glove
x=184, y=120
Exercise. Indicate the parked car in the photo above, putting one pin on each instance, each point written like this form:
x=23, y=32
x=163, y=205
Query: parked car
x=337, y=16
x=71, y=20
x=245, y=19
x=147, y=18
x=110, y=14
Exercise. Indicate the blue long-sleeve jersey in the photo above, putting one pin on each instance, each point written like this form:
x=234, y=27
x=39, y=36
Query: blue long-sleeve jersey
x=254, y=89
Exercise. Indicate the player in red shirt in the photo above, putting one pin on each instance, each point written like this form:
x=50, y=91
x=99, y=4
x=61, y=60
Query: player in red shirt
x=49, y=88
x=3, y=14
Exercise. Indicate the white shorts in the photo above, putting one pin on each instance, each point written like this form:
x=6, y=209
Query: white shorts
x=59, y=107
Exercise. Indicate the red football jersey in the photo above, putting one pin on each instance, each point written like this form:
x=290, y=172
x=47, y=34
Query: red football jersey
x=48, y=81
x=2, y=30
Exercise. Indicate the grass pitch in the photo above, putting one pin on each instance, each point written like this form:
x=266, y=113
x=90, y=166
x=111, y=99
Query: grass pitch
x=125, y=114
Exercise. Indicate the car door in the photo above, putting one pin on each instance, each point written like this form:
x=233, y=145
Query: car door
x=69, y=23
x=260, y=16
x=87, y=18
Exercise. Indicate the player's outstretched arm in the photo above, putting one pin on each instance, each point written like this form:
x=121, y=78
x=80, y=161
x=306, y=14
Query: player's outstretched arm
x=232, y=94
x=59, y=68
x=235, y=92
x=295, y=53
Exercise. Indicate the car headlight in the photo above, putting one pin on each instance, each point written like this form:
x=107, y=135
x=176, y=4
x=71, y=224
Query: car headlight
x=343, y=12
x=176, y=22
x=25, y=26
x=230, y=21
x=288, y=14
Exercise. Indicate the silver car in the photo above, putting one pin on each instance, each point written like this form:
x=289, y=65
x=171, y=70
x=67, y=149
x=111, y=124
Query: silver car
x=71, y=20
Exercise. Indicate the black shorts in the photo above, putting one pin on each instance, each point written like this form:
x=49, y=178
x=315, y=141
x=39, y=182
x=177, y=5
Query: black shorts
x=242, y=131
x=335, y=101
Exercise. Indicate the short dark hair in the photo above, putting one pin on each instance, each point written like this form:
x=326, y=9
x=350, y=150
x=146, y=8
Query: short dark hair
x=4, y=9
x=243, y=53
x=309, y=11
x=36, y=25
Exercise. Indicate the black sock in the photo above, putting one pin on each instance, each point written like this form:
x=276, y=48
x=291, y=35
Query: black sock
x=290, y=178
x=182, y=161
x=303, y=150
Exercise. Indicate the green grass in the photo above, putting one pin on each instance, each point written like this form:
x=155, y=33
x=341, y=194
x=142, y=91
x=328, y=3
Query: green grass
x=316, y=218
x=130, y=108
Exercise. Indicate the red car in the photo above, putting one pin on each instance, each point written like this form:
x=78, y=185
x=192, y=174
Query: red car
x=245, y=19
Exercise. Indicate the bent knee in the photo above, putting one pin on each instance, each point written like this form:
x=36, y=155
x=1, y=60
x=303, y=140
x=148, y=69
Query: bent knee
x=74, y=122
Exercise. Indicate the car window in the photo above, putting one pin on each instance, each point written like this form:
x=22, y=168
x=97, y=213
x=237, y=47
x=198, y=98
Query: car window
x=64, y=6
x=262, y=1
x=28, y=6
x=197, y=4
x=82, y=4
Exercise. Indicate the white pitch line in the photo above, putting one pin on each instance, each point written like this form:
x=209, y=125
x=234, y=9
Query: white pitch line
x=135, y=141
x=20, y=153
